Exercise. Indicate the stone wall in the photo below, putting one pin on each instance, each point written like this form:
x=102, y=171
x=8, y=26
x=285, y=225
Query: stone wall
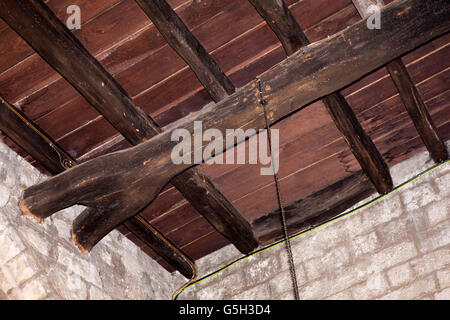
x=398, y=248
x=39, y=261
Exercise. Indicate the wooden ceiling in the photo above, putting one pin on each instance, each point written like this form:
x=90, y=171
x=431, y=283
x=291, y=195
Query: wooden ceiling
x=313, y=153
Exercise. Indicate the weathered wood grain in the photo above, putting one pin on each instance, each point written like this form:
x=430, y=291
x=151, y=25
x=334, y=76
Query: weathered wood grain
x=292, y=84
x=39, y=26
x=16, y=125
x=283, y=23
x=359, y=142
x=188, y=47
x=161, y=245
x=44, y=150
x=417, y=111
x=318, y=207
x=411, y=97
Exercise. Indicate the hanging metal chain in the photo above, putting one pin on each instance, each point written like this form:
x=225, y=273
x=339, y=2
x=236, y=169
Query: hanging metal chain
x=263, y=102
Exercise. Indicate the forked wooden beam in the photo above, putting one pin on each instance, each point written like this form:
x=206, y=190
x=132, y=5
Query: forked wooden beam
x=410, y=96
x=188, y=47
x=280, y=19
x=213, y=205
x=121, y=183
x=26, y=134
x=37, y=24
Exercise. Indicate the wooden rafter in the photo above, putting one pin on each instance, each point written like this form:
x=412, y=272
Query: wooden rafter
x=362, y=6
x=188, y=47
x=316, y=208
x=106, y=184
x=417, y=110
x=278, y=16
x=38, y=144
x=26, y=134
x=37, y=25
x=411, y=98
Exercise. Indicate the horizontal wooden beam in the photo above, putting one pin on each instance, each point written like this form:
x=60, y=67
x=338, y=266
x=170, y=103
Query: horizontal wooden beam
x=188, y=47
x=37, y=24
x=411, y=98
x=282, y=22
x=26, y=134
x=130, y=179
x=62, y=50
x=314, y=209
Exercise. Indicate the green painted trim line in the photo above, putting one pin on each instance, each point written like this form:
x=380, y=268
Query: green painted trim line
x=369, y=203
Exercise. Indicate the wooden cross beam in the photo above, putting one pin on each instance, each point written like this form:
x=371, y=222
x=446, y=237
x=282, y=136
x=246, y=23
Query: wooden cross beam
x=37, y=25
x=121, y=183
x=282, y=22
x=38, y=144
x=411, y=97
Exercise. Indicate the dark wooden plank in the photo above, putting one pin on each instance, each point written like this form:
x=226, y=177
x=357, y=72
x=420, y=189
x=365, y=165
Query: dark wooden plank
x=43, y=149
x=39, y=27
x=219, y=86
x=294, y=83
x=282, y=22
x=19, y=50
x=314, y=209
x=188, y=47
x=37, y=24
x=359, y=142
x=411, y=98
x=164, y=108
x=417, y=111
x=15, y=124
x=161, y=245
